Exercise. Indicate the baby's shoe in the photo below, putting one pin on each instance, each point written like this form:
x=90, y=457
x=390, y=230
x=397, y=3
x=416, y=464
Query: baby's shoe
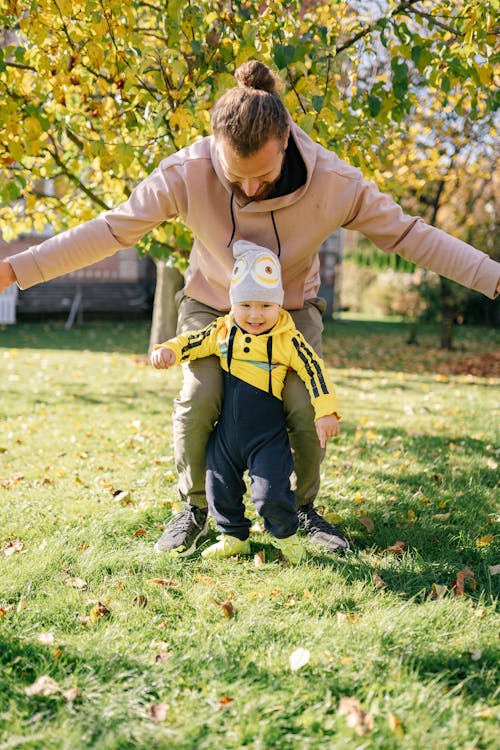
x=292, y=548
x=227, y=546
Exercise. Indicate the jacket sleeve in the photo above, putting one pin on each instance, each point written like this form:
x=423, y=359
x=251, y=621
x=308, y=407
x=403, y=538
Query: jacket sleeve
x=159, y=197
x=378, y=217
x=195, y=344
x=311, y=369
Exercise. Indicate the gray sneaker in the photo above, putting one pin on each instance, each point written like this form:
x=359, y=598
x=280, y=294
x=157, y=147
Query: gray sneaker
x=320, y=532
x=183, y=531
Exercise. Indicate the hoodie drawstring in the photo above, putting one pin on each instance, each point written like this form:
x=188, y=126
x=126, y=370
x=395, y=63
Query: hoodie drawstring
x=270, y=362
x=276, y=233
x=233, y=225
x=232, y=220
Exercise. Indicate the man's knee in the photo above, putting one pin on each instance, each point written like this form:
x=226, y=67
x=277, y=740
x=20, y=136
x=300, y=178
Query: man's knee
x=201, y=394
x=299, y=411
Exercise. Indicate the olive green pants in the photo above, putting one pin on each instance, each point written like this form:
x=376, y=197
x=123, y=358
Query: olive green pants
x=198, y=405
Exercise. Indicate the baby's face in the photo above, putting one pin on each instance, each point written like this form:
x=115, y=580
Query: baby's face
x=256, y=317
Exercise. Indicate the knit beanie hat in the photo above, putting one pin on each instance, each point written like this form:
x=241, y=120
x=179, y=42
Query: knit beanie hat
x=256, y=274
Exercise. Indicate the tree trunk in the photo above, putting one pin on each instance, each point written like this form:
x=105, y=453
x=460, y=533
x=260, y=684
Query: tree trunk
x=168, y=281
x=448, y=313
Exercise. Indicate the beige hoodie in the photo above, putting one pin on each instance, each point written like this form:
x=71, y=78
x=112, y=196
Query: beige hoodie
x=190, y=184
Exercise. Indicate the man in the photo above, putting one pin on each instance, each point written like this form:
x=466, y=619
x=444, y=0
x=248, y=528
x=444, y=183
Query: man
x=262, y=179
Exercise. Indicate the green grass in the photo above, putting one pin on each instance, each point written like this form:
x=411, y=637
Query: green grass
x=83, y=420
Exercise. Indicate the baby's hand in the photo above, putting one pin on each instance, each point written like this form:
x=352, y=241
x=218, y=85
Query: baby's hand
x=162, y=358
x=327, y=427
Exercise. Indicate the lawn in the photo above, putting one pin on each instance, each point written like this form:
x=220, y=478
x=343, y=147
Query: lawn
x=105, y=644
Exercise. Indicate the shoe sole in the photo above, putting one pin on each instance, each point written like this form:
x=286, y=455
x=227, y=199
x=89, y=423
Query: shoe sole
x=186, y=552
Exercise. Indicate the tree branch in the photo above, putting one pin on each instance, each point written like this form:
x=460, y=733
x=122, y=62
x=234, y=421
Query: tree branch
x=89, y=193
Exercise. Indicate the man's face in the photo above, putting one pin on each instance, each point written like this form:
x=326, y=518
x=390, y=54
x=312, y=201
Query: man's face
x=253, y=177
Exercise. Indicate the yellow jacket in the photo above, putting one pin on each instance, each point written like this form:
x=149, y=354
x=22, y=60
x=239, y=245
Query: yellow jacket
x=264, y=360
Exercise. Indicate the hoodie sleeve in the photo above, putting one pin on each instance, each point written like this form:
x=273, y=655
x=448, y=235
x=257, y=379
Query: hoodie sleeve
x=195, y=344
x=159, y=197
x=382, y=220
x=311, y=369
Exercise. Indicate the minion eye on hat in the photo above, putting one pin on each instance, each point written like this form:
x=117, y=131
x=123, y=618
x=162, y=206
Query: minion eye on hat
x=256, y=274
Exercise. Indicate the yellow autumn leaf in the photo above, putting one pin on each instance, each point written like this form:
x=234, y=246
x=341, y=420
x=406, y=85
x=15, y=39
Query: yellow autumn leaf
x=485, y=540
x=181, y=118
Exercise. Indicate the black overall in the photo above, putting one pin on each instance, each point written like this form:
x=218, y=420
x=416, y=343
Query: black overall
x=251, y=434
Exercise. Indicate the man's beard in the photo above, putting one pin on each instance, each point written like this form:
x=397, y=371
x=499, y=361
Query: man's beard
x=243, y=199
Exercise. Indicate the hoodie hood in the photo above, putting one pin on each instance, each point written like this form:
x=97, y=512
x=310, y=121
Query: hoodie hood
x=308, y=152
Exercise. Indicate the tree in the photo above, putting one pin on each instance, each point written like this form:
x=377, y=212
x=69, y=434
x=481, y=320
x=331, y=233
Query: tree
x=94, y=93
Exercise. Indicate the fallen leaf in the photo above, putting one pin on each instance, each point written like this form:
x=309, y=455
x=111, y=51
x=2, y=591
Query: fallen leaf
x=204, y=579
x=163, y=657
x=72, y=694
x=140, y=532
x=494, y=570
x=159, y=711
x=459, y=581
x=46, y=639
x=438, y=591
x=397, y=548
x=485, y=713
x=259, y=559
x=227, y=609
x=395, y=725
x=356, y=718
x=441, y=516
x=140, y=600
x=378, y=582
x=43, y=687
x=343, y=617
x=166, y=582
x=98, y=611
x=122, y=497
x=76, y=583
x=11, y=547
x=225, y=700
x=367, y=523
x=299, y=658
x=484, y=541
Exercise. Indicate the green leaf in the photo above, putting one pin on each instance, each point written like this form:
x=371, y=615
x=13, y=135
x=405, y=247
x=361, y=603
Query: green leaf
x=317, y=102
x=283, y=55
x=374, y=104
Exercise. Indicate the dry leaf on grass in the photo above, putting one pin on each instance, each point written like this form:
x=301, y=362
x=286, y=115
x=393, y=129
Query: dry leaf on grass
x=356, y=718
x=46, y=639
x=159, y=711
x=299, y=658
x=43, y=687
x=169, y=584
x=227, y=609
x=396, y=548
x=484, y=541
x=378, y=582
x=76, y=583
x=11, y=547
x=458, y=584
x=98, y=610
x=259, y=559
x=367, y=523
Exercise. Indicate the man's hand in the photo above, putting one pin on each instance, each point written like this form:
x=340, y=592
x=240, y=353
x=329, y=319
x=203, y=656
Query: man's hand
x=7, y=275
x=327, y=427
x=162, y=358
